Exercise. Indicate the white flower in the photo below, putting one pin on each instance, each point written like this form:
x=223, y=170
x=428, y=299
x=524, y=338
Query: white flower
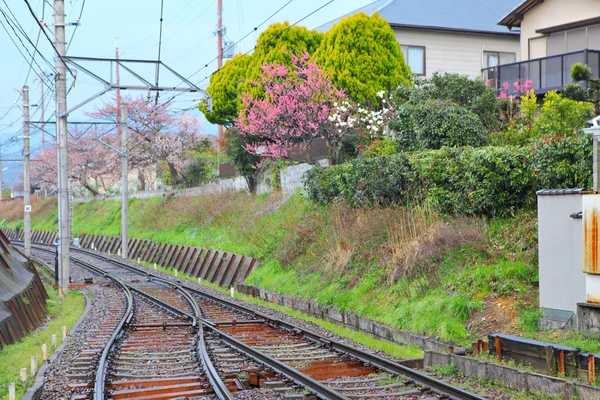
x=380, y=94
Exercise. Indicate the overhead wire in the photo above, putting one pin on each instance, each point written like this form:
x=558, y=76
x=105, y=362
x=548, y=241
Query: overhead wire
x=48, y=37
x=76, y=26
x=33, y=61
x=255, y=47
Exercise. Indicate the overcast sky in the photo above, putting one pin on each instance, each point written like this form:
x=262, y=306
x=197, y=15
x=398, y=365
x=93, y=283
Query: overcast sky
x=188, y=44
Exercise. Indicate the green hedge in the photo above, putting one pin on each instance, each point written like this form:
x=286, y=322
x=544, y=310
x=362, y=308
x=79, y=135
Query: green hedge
x=480, y=181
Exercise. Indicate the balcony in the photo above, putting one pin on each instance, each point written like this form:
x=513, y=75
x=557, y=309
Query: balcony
x=546, y=73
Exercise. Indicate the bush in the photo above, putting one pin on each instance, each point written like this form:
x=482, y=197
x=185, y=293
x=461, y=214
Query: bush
x=434, y=124
x=475, y=181
x=487, y=181
x=473, y=94
x=379, y=180
x=561, y=116
x=561, y=162
x=385, y=147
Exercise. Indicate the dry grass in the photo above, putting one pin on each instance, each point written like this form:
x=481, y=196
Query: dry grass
x=403, y=241
x=11, y=210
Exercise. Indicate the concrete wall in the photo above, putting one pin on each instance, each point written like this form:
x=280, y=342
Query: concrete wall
x=560, y=240
x=455, y=52
x=291, y=179
x=523, y=381
x=552, y=13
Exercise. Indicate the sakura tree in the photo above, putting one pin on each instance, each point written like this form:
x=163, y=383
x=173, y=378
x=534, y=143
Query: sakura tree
x=156, y=136
x=86, y=159
x=294, y=108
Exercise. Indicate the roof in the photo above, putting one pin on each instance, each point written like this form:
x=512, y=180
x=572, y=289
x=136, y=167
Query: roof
x=555, y=192
x=514, y=17
x=474, y=16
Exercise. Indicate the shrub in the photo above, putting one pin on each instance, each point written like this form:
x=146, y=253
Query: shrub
x=474, y=181
x=473, y=94
x=385, y=147
x=487, y=181
x=561, y=162
x=434, y=124
x=561, y=116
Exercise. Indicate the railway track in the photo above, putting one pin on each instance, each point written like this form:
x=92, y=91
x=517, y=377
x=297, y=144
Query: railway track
x=251, y=349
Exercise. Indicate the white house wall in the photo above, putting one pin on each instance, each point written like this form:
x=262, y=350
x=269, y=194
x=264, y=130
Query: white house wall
x=552, y=13
x=456, y=52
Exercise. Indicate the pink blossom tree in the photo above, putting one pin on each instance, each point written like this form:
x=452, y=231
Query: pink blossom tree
x=295, y=108
x=157, y=136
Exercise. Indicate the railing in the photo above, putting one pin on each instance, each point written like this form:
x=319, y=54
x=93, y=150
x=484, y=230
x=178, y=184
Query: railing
x=546, y=73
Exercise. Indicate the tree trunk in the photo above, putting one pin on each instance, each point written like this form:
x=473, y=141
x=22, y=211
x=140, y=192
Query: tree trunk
x=91, y=189
x=142, y=179
x=252, y=181
x=174, y=174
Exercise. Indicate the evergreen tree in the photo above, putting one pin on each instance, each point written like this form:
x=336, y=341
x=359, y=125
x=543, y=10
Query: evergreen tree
x=363, y=57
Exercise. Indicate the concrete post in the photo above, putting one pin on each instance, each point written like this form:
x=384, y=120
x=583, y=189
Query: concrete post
x=124, y=183
x=26, y=175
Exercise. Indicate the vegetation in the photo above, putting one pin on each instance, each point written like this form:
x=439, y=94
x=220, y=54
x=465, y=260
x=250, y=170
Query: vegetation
x=363, y=57
x=18, y=355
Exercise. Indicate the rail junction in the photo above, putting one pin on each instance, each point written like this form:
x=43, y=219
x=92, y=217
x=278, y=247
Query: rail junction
x=165, y=339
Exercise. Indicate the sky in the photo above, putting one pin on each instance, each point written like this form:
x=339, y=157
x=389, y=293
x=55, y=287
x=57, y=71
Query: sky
x=189, y=43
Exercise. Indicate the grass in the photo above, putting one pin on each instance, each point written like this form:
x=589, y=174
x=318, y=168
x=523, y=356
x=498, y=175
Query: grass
x=412, y=269
x=16, y=356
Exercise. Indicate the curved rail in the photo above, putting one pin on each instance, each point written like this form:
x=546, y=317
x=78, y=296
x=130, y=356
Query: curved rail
x=437, y=386
x=217, y=383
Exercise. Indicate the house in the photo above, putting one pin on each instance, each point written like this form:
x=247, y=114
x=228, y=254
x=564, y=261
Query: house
x=555, y=34
x=458, y=36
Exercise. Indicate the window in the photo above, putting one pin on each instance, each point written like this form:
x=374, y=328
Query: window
x=415, y=58
x=493, y=58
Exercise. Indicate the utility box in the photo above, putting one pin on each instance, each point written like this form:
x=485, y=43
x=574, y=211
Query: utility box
x=561, y=256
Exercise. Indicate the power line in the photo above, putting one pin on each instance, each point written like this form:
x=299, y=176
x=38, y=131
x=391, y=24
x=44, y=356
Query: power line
x=22, y=44
x=256, y=46
x=48, y=37
x=76, y=26
x=245, y=36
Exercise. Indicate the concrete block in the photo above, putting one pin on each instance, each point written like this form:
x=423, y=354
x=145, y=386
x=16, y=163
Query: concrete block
x=585, y=392
x=431, y=358
x=544, y=384
x=509, y=377
x=470, y=366
x=333, y=314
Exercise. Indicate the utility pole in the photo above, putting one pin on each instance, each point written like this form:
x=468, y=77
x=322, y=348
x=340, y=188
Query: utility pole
x=43, y=125
x=1, y=197
x=64, y=226
x=117, y=78
x=220, y=136
x=124, y=182
x=26, y=177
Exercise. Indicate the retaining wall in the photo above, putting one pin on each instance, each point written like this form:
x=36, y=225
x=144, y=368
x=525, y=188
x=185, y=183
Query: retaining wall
x=523, y=381
x=219, y=267
x=291, y=179
x=348, y=319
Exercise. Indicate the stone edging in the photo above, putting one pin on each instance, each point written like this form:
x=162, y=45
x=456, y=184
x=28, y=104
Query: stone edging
x=523, y=381
x=33, y=392
x=349, y=320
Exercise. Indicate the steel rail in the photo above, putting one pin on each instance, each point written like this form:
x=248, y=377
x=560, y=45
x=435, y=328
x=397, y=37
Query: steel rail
x=437, y=386
x=215, y=380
